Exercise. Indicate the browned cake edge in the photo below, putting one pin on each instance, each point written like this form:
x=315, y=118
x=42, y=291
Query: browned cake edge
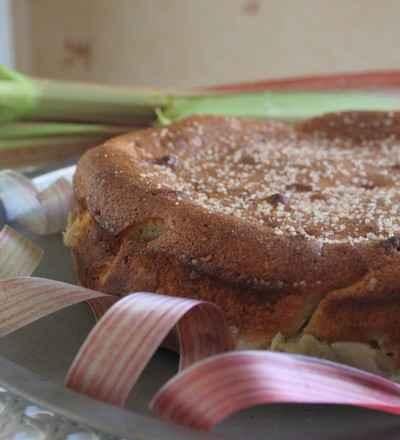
x=127, y=237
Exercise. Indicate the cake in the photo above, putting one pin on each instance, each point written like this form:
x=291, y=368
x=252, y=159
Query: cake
x=292, y=229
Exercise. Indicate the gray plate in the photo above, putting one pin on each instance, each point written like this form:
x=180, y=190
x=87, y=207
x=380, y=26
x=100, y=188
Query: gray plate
x=41, y=353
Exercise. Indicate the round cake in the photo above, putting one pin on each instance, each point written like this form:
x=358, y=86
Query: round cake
x=293, y=230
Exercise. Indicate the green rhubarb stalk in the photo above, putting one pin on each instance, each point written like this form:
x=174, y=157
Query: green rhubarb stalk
x=22, y=97
x=47, y=141
x=68, y=101
x=17, y=95
x=25, y=98
x=276, y=105
x=31, y=130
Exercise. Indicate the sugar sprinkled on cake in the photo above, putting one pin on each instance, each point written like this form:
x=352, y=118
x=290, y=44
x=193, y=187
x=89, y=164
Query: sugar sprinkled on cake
x=318, y=187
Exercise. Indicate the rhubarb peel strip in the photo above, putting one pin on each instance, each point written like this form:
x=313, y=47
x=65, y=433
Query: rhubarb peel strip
x=18, y=255
x=26, y=299
x=41, y=212
x=118, y=349
x=209, y=391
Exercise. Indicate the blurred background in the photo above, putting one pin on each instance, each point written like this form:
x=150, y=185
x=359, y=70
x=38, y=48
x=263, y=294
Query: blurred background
x=192, y=42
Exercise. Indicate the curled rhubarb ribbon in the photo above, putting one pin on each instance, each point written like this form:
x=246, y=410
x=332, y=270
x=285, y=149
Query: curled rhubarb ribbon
x=123, y=342
x=18, y=255
x=208, y=392
x=41, y=212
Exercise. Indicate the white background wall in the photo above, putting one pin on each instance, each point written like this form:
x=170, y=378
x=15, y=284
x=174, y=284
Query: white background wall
x=199, y=42
x=6, y=46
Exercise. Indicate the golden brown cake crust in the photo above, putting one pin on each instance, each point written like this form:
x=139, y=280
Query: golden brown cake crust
x=178, y=210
